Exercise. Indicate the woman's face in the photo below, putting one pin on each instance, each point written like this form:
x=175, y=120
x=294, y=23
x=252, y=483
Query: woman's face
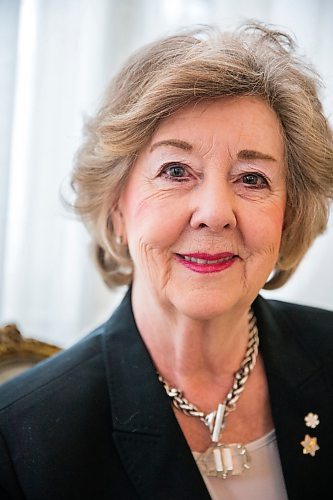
x=203, y=208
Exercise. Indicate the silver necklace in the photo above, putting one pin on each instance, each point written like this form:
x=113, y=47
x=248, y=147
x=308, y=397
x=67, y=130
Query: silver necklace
x=221, y=459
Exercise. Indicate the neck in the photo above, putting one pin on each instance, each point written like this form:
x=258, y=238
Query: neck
x=191, y=352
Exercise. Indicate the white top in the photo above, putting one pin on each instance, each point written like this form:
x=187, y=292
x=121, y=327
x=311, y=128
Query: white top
x=264, y=479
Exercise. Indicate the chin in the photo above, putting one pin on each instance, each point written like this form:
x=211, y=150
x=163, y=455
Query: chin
x=203, y=309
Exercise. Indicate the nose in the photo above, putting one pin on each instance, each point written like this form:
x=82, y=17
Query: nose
x=214, y=206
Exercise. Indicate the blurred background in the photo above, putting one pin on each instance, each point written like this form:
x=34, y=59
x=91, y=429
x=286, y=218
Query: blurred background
x=56, y=57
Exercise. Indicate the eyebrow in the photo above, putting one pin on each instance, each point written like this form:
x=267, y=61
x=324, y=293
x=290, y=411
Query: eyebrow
x=244, y=154
x=176, y=143
x=249, y=154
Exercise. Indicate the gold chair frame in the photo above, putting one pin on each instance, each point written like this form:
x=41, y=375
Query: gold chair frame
x=18, y=353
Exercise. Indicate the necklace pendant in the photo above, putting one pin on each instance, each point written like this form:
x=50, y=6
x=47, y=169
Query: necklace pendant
x=224, y=460
x=218, y=424
x=215, y=422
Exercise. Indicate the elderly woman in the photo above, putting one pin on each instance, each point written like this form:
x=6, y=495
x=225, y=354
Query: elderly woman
x=204, y=177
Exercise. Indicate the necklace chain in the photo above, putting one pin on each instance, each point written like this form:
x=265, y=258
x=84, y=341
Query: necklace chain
x=240, y=378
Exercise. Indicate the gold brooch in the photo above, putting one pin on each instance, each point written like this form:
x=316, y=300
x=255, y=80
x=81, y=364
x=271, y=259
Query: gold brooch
x=310, y=445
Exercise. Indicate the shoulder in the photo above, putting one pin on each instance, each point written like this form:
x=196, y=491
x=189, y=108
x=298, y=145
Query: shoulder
x=310, y=326
x=302, y=313
x=78, y=370
x=63, y=369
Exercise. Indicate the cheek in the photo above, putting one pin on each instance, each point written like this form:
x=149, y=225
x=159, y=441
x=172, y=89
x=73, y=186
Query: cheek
x=152, y=222
x=265, y=236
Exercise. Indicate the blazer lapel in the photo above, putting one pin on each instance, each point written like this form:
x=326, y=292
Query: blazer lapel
x=150, y=443
x=298, y=384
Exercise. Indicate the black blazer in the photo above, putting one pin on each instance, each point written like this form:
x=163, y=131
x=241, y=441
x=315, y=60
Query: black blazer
x=93, y=422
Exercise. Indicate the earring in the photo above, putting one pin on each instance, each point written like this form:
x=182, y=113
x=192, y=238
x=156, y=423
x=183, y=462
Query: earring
x=119, y=240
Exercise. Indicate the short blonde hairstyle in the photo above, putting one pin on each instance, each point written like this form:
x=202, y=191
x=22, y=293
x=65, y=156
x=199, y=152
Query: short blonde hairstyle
x=196, y=64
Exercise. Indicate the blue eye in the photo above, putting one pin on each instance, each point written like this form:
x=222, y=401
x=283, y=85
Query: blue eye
x=175, y=171
x=255, y=180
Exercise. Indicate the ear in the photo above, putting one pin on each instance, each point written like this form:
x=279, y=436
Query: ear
x=118, y=223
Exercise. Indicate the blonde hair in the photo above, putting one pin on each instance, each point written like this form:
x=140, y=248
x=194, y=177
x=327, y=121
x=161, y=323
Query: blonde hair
x=206, y=63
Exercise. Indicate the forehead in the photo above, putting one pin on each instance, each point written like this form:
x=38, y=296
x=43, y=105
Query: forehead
x=227, y=122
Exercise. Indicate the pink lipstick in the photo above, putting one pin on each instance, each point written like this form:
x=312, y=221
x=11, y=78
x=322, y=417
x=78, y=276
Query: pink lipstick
x=207, y=263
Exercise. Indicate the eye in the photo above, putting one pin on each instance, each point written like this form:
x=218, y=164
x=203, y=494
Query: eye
x=175, y=171
x=255, y=180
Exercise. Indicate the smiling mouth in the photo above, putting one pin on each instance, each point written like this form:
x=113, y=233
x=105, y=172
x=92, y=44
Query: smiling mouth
x=205, y=258
x=197, y=260
x=207, y=263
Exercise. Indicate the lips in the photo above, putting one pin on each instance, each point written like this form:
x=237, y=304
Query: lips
x=207, y=263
